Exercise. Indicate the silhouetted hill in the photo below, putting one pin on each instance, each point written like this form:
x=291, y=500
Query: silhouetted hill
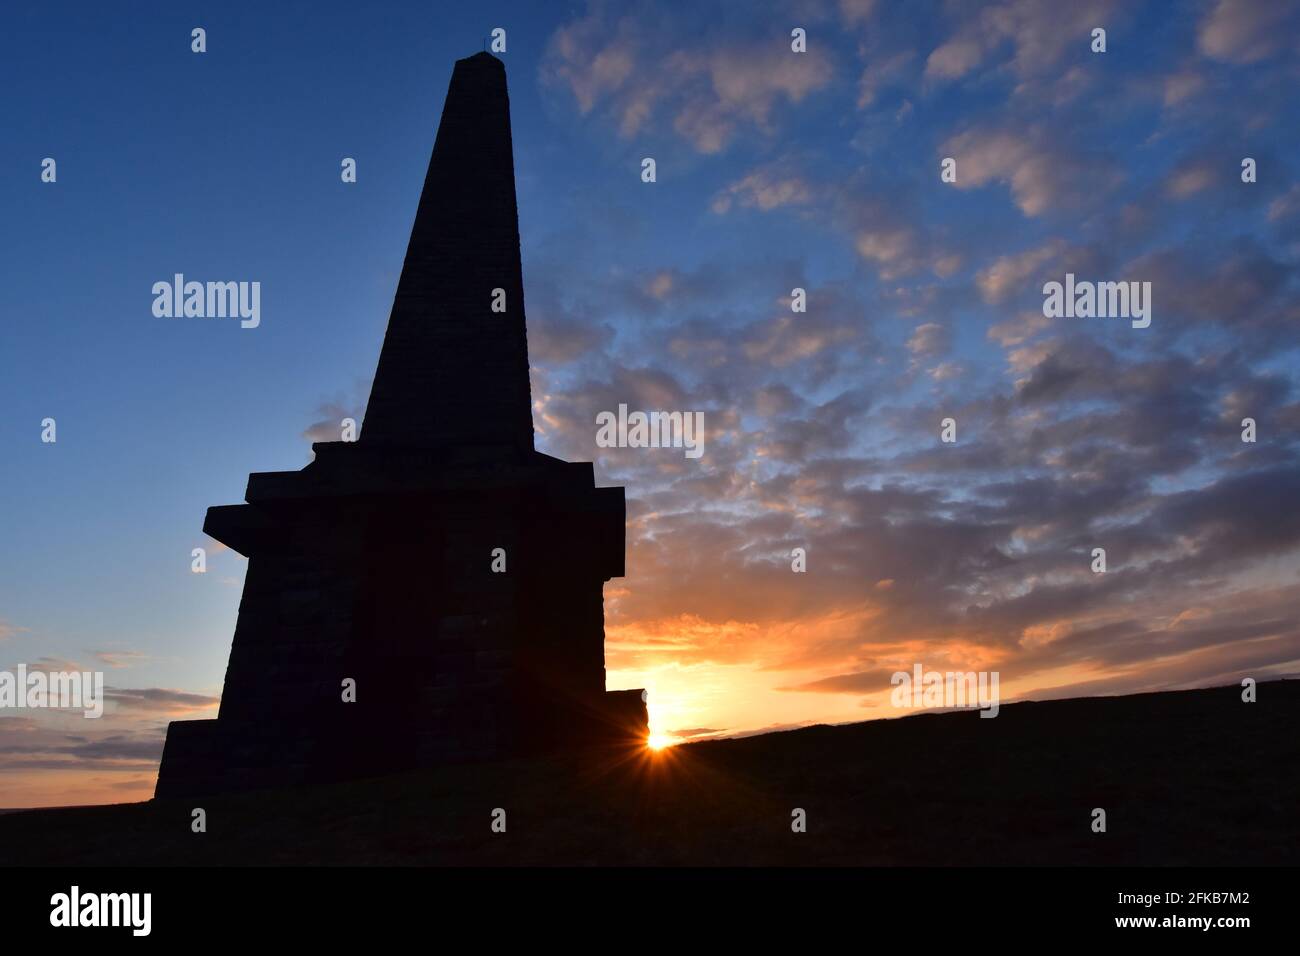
x=1189, y=777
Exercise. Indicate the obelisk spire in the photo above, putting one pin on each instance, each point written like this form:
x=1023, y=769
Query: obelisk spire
x=453, y=372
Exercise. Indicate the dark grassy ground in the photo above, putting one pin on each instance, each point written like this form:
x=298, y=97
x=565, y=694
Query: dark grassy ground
x=1192, y=777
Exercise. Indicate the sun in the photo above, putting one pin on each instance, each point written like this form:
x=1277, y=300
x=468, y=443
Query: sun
x=659, y=741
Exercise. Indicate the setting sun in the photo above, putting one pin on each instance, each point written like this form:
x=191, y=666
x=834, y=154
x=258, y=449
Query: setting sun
x=659, y=741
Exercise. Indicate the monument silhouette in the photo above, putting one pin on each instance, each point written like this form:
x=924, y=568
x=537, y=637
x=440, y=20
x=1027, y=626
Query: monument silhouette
x=442, y=564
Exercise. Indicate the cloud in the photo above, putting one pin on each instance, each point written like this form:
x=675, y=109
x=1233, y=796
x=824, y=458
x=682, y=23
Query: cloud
x=1020, y=329
x=929, y=340
x=954, y=59
x=880, y=73
x=1011, y=274
x=1037, y=35
x=1285, y=206
x=1236, y=284
x=53, y=665
x=697, y=733
x=159, y=700
x=330, y=426
x=636, y=70
x=860, y=682
x=1245, y=31
x=855, y=12
x=35, y=747
x=764, y=189
x=56, y=758
x=1182, y=86
x=589, y=76
x=562, y=331
x=892, y=249
x=1043, y=176
x=1193, y=177
x=119, y=659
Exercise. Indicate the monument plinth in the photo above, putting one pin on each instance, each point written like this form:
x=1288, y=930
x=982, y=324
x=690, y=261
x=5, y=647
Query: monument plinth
x=379, y=561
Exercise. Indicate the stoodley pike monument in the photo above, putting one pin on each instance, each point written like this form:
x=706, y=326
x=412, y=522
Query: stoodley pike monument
x=431, y=592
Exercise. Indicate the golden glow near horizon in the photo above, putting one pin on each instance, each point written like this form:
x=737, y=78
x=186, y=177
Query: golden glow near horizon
x=707, y=699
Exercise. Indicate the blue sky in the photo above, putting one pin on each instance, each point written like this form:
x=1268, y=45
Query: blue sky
x=775, y=170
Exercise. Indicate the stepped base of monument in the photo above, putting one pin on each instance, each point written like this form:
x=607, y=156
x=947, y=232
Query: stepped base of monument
x=203, y=757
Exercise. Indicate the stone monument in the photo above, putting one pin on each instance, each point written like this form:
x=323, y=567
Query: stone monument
x=431, y=592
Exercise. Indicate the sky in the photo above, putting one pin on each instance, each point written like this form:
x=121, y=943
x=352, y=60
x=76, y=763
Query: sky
x=775, y=170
